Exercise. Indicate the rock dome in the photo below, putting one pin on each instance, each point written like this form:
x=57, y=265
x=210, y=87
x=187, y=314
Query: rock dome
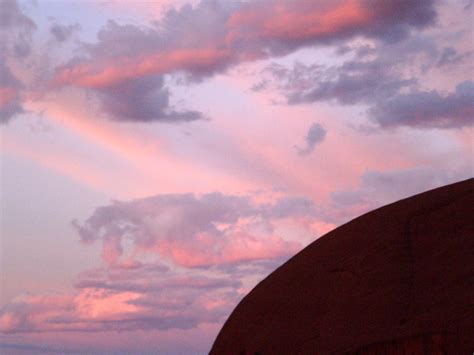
x=397, y=280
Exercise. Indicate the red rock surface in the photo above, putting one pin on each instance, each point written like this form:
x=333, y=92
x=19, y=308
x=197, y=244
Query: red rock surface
x=397, y=280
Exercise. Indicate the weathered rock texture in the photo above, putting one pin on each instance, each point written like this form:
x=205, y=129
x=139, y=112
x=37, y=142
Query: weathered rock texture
x=397, y=280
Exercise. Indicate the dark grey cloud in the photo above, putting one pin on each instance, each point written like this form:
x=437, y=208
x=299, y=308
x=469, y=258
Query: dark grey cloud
x=382, y=78
x=450, y=56
x=395, y=18
x=62, y=33
x=428, y=109
x=11, y=89
x=316, y=134
x=372, y=74
x=289, y=206
x=356, y=82
x=16, y=30
x=142, y=99
x=11, y=16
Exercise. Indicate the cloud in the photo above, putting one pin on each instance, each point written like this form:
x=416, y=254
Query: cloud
x=355, y=82
x=211, y=36
x=289, y=207
x=172, y=261
x=135, y=296
x=15, y=348
x=468, y=5
x=316, y=134
x=16, y=31
x=10, y=94
x=372, y=73
x=284, y=26
x=206, y=39
x=126, y=68
x=134, y=292
x=143, y=298
x=428, y=109
x=224, y=228
x=377, y=77
x=142, y=100
x=378, y=188
x=62, y=33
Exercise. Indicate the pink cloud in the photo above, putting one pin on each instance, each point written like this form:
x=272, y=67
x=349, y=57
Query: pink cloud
x=243, y=32
x=112, y=249
x=147, y=297
x=7, y=96
x=241, y=247
x=103, y=75
x=225, y=228
x=206, y=39
x=100, y=304
x=297, y=21
x=229, y=245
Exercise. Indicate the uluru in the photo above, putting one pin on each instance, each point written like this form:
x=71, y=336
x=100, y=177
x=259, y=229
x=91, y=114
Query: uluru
x=397, y=280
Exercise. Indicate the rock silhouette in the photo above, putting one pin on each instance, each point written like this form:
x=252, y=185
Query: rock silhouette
x=397, y=280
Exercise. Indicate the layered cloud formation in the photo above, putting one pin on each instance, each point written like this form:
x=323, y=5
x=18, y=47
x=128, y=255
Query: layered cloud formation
x=212, y=242
x=203, y=40
x=125, y=68
x=178, y=261
x=377, y=76
x=133, y=298
x=194, y=231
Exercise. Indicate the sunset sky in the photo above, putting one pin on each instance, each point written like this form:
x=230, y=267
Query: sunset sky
x=159, y=158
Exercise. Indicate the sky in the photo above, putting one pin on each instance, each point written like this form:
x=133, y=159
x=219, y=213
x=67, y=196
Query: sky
x=159, y=159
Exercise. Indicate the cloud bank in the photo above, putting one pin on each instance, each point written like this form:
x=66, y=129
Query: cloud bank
x=194, y=231
x=171, y=261
x=126, y=66
x=377, y=77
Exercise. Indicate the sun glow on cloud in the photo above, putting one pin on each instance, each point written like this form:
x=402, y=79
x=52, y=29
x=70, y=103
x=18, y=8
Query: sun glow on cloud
x=225, y=135
x=98, y=304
